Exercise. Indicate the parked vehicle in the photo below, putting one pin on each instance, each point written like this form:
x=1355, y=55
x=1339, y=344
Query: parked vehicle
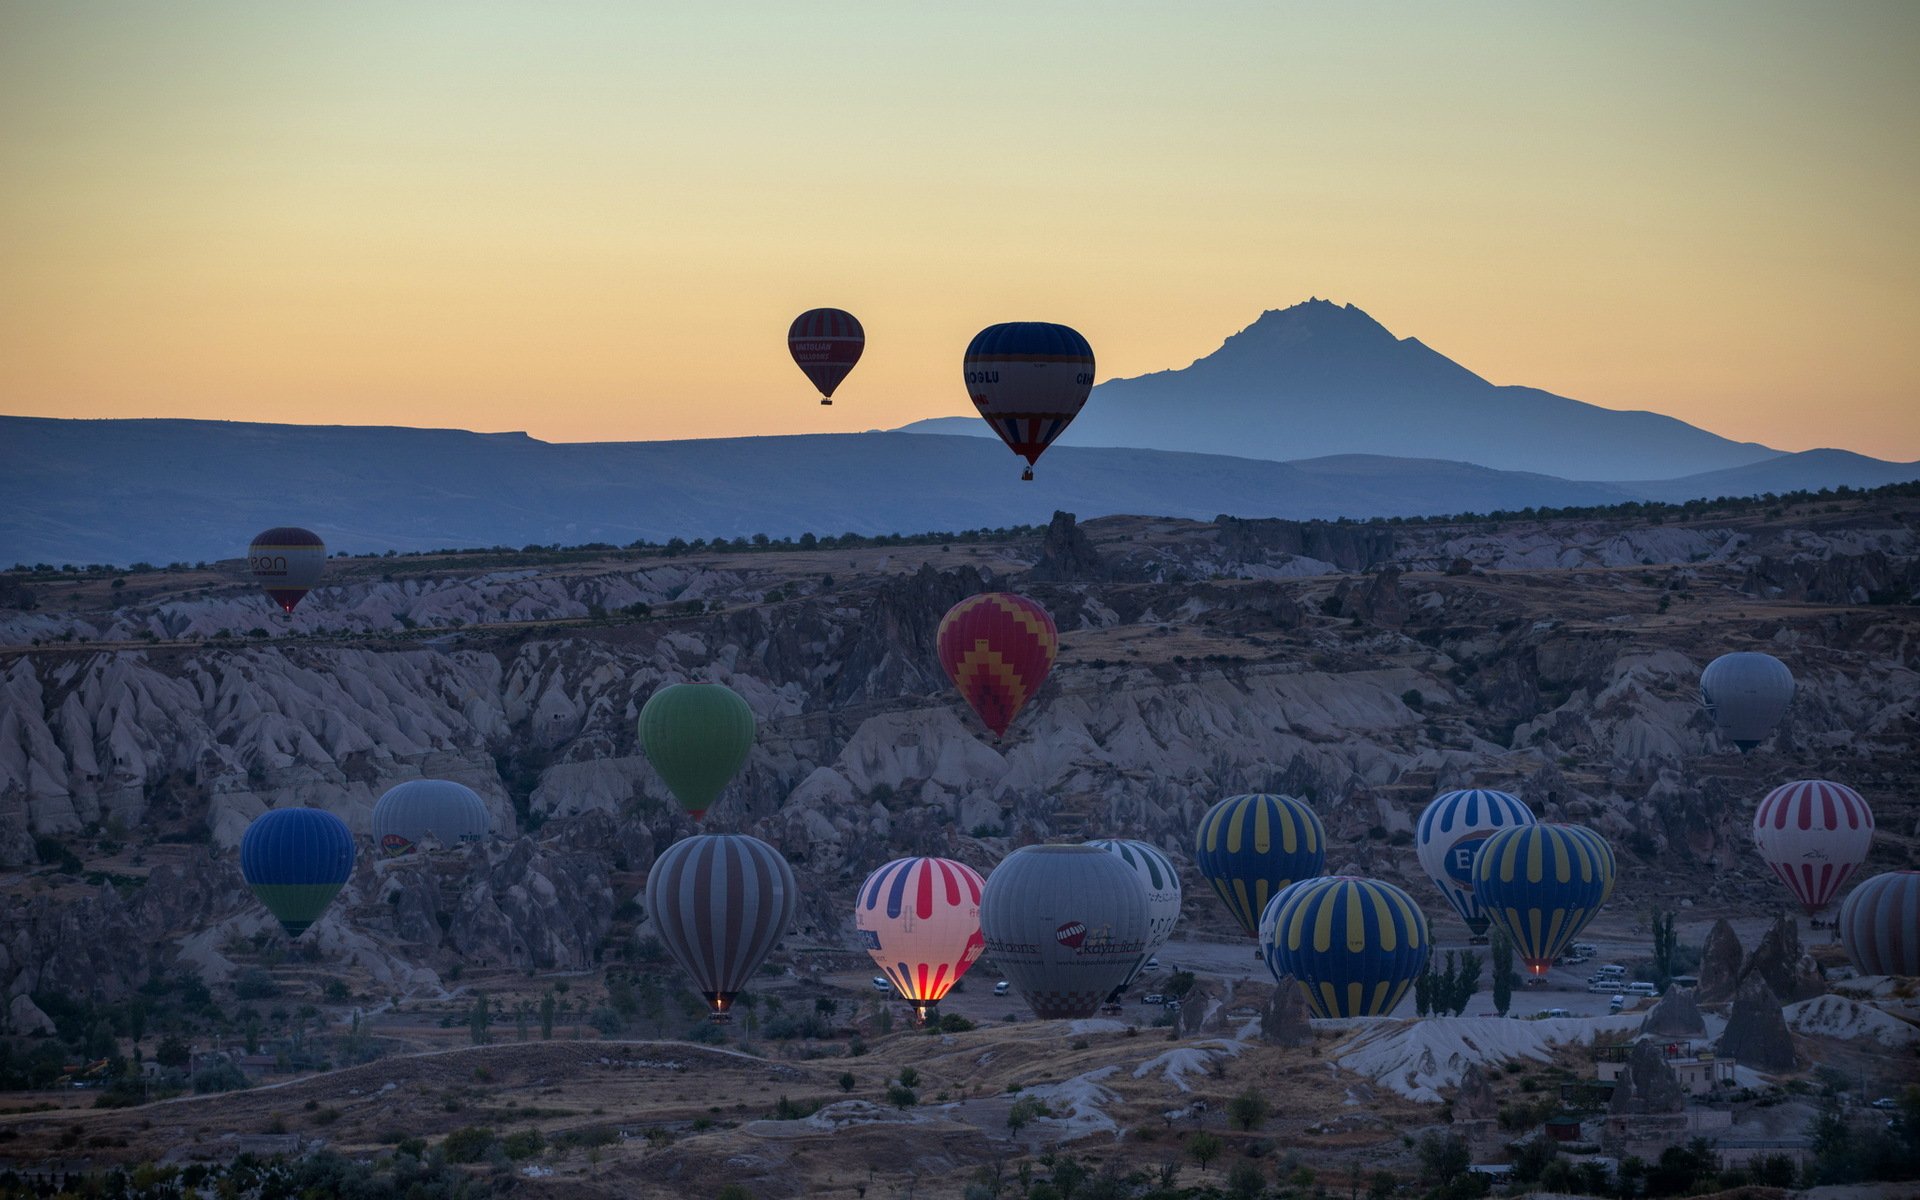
x=1153, y=998
x=1642, y=988
x=880, y=984
x=1000, y=989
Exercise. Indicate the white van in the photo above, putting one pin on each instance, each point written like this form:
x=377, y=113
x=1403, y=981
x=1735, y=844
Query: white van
x=1000, y=989
x=1608, y=971
x=880, y=984
x=1641, y=988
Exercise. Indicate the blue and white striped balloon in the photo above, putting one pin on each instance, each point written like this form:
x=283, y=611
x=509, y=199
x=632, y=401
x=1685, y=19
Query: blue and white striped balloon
x=1879, y=924
x=1450, y=833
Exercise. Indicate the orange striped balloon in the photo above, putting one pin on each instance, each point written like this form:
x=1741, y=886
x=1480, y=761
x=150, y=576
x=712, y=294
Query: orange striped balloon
x=997, y=648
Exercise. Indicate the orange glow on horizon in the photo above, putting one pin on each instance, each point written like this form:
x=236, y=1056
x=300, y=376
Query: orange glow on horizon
x=596, y=222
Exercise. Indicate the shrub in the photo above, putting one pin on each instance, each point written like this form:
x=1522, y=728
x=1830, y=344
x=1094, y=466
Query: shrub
x=469, y=1144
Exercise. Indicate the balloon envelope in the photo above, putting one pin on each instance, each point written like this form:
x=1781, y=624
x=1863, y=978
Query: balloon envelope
x=296, y=860
x=920, y=920
x=1541, y=884
x=1746, y=694
x=1355, y=945
x=826, y=343
x=1813, y=834
x=720, y=902
x=697, y=735
x=1065, y=925
x=1162, y=884
x=1028, y=379
x=1451, y=831
x=449, y=812
x=997, y=648
x=287, y=561
x=1879, y=924
x=1250, y=847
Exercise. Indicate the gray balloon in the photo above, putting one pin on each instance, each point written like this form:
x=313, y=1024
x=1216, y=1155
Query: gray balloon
x=1065, y=925
x=451, y=812
x=719, y=902
x=1746, y=694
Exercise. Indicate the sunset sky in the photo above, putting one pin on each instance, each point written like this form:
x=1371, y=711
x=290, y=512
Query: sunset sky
x=593, y=221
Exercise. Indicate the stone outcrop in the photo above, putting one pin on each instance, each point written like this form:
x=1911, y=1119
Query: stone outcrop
x=1756, y=1034
x=1674, y=1015
x=1720, y=960
x=1475, y=1100
x=1647, y=1085
x=1067, y=555
x=1779, y=962
x=1286, y=1020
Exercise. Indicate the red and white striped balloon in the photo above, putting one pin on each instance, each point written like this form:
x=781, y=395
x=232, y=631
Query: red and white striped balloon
x=920, y=920
x=1813, y=833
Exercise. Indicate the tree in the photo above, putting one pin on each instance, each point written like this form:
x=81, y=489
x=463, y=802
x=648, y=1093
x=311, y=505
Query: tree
x=546, y=1016
x=479, y=1020
x=1249, y=1109
x=1502, y=973
x=1467, y=982
x=1203, y=1148
x=1179, y=983
x=1423, y=992
x=1025, y=1109
x=1245, y=1182
x=1665, y=944
x=172, y=1052
x=1443, y=1157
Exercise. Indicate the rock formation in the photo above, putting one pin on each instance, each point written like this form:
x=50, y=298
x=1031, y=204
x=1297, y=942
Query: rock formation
x=1475, y=1100
x=1720, y=960
x=1778, y=961
x=1756, y=1034
x=1286, y=1020
x=1675, y=1015
x=1647, y=1084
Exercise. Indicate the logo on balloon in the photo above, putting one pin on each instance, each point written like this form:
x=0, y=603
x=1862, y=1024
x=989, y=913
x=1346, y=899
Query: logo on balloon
x=1460, y=860
x=1072, y=934
x=393, y=843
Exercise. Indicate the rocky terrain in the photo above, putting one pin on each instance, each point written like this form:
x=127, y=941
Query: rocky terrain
x=145, y=718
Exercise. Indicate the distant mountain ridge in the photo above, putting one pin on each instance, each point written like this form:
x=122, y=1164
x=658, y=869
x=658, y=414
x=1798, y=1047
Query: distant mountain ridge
x=1320, y=378
x=173, y=490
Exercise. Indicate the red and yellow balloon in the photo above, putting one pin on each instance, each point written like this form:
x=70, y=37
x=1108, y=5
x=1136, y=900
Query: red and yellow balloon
x=997, y=648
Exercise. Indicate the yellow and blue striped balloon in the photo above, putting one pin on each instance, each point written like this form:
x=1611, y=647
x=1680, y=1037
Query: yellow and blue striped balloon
x=1250, y=847
x=1355, y=945
x=1541, y=884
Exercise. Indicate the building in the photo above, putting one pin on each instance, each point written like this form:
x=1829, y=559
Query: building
x=1694, y=1065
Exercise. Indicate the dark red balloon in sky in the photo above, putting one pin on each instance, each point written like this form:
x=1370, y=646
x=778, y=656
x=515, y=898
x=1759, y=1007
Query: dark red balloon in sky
x=826, y=342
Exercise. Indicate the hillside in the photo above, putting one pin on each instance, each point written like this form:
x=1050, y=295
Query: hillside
x=1361, y=666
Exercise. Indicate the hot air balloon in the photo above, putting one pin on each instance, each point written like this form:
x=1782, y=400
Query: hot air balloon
x=697, y=736
x=296, y=860
x=1065, y=924
x=1450, y=832
x=920, y=920
x=1879, y=924
x=450, y=812
x=287, y=562
x=1028, y=379
x=1355, y=945
x=1540, y=884
x=1746, y=694
x=997, y=648
x=720, y=901
x=1249, y=847
x=826, y=342
x=1813, y=834
x=1162, y=884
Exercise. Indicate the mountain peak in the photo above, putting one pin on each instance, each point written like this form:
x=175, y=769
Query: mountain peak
x=1319, y=338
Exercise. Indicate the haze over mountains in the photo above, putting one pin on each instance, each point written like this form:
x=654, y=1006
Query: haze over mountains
x=1373, y=426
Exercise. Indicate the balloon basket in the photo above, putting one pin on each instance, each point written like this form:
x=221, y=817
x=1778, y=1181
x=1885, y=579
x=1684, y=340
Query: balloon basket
x=824, y=400
x=1027, y=475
